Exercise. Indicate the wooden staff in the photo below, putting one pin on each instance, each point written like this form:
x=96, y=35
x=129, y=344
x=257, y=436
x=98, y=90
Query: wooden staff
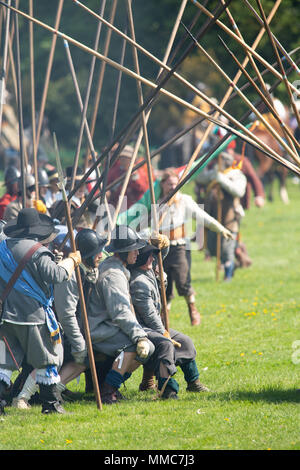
x=280, y=46
x=113, y=125
x=102, y=70
x=83, y=121
x=219, y=219
x=289, y=135
x=225, y=100
x=266, y=96
x=249, y=104
x=79, y=281
x=87, y=155
x=263, y=148
x=194, y=124
x=86, y=126
x=285, y=80
x=4, y=64
x=126, y=176
x=165, y=316
x=20, y=113
x=243, y=44
x=48, y=72
x=249, y=56
x=33, y=123
x=158, y=88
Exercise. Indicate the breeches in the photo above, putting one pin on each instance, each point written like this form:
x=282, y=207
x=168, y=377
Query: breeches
x=177, y=267
x=169, y=355
x=34, y=341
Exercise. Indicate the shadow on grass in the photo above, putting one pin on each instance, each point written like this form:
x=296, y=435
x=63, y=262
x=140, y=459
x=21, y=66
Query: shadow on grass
x=269, y=395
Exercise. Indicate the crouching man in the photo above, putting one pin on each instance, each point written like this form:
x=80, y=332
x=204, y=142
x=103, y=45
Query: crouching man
x=114, y=328
x=172, y=348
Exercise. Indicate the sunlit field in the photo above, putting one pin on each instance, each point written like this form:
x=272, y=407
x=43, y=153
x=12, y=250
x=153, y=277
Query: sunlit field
x=246, y=353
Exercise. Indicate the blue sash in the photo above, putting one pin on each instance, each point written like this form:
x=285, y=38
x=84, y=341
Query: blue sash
x=26, y=285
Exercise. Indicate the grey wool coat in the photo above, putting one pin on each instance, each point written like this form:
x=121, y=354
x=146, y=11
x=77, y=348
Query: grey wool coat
x=146, y=299
x=111, y=317
x=66, y=298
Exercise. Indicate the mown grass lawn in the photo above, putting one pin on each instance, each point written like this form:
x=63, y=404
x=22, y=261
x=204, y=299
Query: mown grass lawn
x=245, y=348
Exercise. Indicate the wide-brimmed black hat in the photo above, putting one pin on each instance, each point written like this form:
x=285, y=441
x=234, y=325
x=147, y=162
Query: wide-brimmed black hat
x=144, y=254
x=124, y=239
x=30, y=224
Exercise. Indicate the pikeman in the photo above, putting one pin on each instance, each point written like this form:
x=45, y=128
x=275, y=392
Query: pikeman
x=114, y=328
x=67, y=306
x=172, y=348
x=177, y=263
x=28, y=325
x=232, y=183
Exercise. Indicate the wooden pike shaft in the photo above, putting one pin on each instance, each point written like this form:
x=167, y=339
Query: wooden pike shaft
x=285, y=129
x=219, y=219
x=146, y=117
x=48, y=72
x=243, y=44
x=165, y=316
x=32, y=90
x=148, y=82
x=20, y=113
x=4, y=64
x=102, y=70
x=280, y=46
x=249, y=56
x=83, y=121
x=226, y=97
x=80, y=287
x=250, y=105
x=86, y=126
x=286, y=82
x=266, y=97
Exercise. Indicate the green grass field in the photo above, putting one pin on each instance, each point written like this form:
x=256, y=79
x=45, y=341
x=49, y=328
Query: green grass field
x=245, y=356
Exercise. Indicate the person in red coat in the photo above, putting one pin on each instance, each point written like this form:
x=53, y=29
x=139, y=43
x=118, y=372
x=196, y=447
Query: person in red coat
x=11, y=182
x=138, y=183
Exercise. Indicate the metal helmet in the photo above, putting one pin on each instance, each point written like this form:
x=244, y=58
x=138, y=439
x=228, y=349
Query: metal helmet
x=11, y=174
x=89, y=243
x=62, y=231
x=125, y=239
x=29, y=182
x=43, y=178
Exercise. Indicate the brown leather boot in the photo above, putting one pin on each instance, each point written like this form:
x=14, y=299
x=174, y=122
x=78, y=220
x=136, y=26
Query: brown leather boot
x=109, y=394
x=196, y=386
x=147, y=382
x=194, y=314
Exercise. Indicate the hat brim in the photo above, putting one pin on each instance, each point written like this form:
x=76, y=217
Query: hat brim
x=41, y=231
x=111, y=248
x=142, y=256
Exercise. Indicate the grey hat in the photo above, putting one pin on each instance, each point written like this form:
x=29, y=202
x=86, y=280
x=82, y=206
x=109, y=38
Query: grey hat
x=127, y=151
